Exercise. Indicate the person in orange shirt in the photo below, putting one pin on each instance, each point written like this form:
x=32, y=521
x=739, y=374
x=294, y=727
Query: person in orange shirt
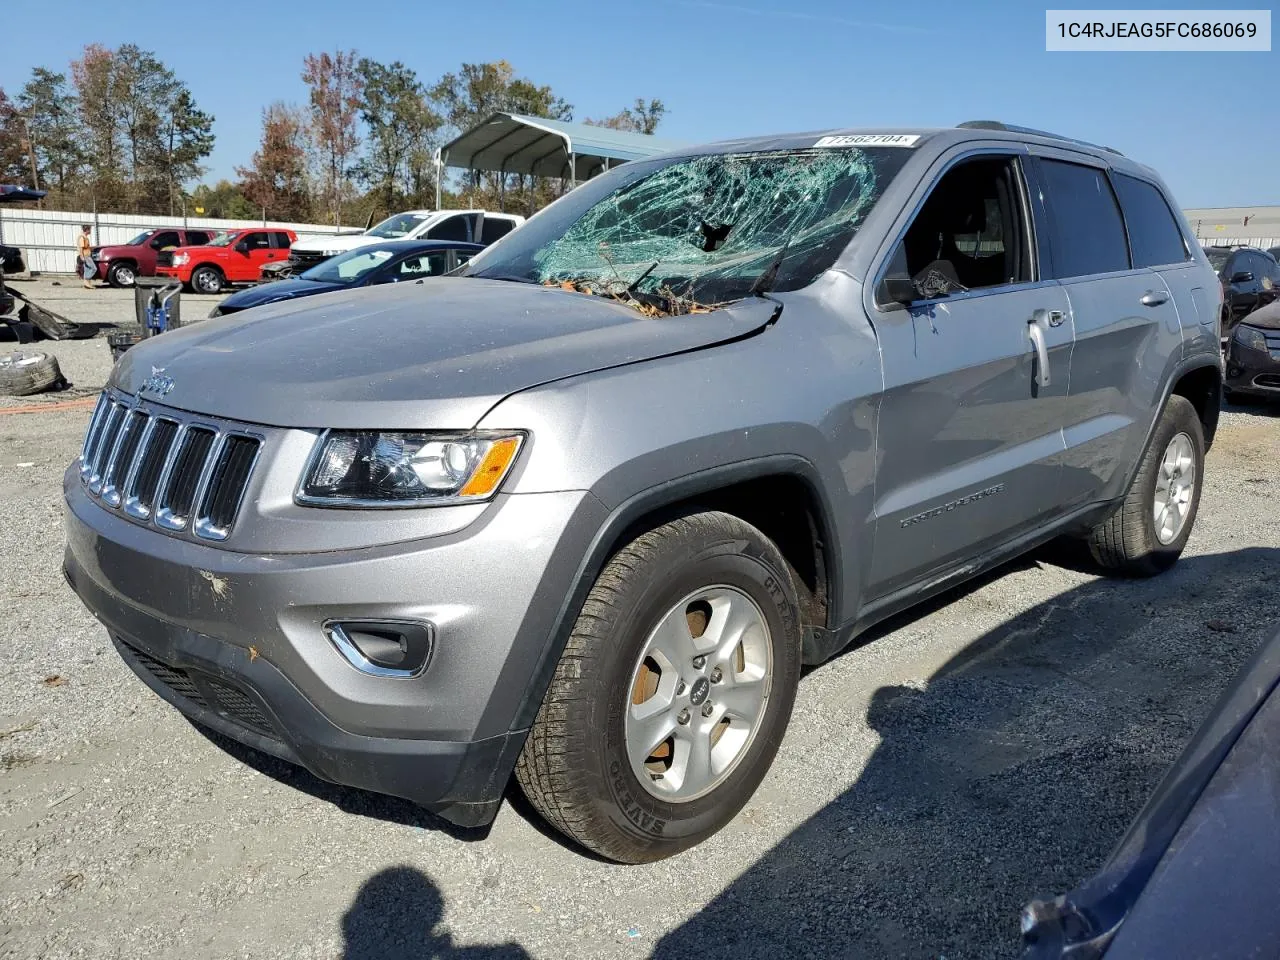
x=84, y=258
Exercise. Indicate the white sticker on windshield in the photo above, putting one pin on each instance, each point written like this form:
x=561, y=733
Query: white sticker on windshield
x=870, y=140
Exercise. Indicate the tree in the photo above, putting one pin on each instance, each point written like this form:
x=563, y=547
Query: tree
x=94, y=77
x=51, y=113
x=335, y=106
x=225, y=200
x=642, y=118
x=15, y=166
x=277, y=179
x=184, y=137
x=401, y=127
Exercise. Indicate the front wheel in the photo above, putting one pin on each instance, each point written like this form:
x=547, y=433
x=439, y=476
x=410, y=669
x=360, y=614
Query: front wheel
x=122, y=275
x=1149, y=530
x=673, y=692
x=207, y=280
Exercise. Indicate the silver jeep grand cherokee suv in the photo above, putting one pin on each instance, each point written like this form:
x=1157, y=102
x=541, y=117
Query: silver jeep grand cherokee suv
x=584, y=511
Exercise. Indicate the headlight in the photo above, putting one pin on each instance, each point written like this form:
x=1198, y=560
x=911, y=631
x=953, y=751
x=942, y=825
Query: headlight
x=1251, y=337
x=180, y=258
x=365, y=468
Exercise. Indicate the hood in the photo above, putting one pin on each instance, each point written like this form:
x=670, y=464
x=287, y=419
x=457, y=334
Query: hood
x=336, y=244
x=1265, y=318
x=274, y=291
x=435, y=353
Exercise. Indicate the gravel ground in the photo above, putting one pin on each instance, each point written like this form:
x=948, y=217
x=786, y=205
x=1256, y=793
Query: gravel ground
x=985, y=749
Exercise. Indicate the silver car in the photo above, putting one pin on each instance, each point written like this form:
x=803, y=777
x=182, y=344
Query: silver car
x=583, y=512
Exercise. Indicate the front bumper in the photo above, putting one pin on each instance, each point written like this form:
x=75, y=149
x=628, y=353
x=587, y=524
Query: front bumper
x=175, y=273
x=236, y=641
x=1255, y=372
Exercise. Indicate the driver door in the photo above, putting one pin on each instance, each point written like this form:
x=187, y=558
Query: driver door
x=975, y=352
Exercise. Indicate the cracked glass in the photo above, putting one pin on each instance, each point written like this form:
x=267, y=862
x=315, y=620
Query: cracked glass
x=695, y=232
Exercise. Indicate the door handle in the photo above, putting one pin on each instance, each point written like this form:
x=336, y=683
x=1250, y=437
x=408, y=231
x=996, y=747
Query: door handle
x=1153, y=298
x=1036, y=332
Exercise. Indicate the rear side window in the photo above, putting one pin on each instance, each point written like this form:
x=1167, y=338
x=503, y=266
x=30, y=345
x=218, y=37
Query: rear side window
x=197, y=238
x=455, y=228
x=1154, y=236
x=494, y=228
x=1086, y=233
x=280, y=241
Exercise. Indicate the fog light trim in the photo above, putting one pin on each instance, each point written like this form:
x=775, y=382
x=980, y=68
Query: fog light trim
x=419, y=634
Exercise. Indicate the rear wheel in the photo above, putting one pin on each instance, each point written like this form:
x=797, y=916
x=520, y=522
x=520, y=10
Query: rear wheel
x=673, y=692
x=1149, y=530
x=207, y=280
x=122, y=275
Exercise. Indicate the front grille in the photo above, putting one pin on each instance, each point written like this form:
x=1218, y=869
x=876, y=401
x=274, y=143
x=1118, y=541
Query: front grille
x=304, y=259
x=1273, y=343
x=1267, y=380
x=159, y=469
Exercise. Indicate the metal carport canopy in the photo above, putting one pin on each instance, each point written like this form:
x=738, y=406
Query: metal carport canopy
x=514, y=143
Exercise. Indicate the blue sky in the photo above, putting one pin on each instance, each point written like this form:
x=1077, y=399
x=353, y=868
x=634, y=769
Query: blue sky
x=723, y=69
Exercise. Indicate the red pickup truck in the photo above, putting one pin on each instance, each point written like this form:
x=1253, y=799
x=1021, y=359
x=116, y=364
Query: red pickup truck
x=236, y=256
x=121, y=263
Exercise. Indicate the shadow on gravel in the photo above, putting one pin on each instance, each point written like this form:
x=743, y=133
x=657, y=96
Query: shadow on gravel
x=360, y=803
x=396, y=916
x=1012, y=774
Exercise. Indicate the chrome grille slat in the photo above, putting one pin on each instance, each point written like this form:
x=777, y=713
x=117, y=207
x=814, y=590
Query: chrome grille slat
x=159, y=468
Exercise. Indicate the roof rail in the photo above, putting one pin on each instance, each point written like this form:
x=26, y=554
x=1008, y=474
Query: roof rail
x=1011, y=128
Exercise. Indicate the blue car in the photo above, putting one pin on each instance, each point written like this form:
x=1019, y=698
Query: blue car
x=394, y=261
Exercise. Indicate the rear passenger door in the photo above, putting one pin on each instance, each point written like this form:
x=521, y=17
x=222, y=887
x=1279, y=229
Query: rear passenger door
x=1126, y=326
x=975, y=370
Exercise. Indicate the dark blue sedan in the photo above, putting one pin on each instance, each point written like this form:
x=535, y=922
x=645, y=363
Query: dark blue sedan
x=391, y=261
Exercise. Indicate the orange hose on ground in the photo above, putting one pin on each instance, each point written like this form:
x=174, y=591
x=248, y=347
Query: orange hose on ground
x=42, y=407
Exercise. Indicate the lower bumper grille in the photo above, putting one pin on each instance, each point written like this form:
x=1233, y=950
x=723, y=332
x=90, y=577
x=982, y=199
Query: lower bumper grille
x=204, y=691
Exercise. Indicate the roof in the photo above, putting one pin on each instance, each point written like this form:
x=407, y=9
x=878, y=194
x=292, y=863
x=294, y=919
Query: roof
x=515, y=143
x=9, y=194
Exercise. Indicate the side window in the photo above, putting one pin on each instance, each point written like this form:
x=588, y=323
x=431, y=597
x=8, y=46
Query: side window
x=1154, y=236
x=493, y=228
x=423, y=265
x=455, y=228
x=197, y=238
x=1086, y=233
x=280, y=241
x=257, y=241
x=970, y=233
x=166, y=240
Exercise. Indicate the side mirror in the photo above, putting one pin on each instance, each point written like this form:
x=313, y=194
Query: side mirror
x=155, y=244
x=896, y=290
x=242, y=246
x=1242, y=276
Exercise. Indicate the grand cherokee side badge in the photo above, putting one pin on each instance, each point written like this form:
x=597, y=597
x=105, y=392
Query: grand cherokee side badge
x=948, y=507
x=157, y=383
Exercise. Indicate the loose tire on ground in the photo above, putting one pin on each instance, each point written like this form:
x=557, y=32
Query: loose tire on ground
x=23, y=373
x=576, y=768
x=1130, y=542
x=207, y=280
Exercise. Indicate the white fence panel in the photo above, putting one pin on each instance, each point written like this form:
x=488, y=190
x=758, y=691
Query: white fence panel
x=48, y=237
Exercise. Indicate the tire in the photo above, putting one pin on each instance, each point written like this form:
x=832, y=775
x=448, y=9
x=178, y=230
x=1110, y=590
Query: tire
x=1129, y=542
x=207, y=280
x=575, y=767
x=23, y=373
x=47, y=323
x=122, y=275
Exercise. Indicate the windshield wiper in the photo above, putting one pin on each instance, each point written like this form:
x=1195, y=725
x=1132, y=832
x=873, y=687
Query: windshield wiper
x=631, y=287
x=507, y=277
x=764, y=283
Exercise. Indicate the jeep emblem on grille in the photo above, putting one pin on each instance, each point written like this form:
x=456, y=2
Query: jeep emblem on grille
x=157, y=383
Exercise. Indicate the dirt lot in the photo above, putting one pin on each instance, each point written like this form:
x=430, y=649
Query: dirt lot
x=978, y=752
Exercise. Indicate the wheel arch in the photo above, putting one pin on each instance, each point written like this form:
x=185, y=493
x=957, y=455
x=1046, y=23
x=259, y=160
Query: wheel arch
x=1201, y=385
x=741, y=489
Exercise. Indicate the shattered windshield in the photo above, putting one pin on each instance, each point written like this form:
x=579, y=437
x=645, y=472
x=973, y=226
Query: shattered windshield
x=674, y=236
x=401, y=225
